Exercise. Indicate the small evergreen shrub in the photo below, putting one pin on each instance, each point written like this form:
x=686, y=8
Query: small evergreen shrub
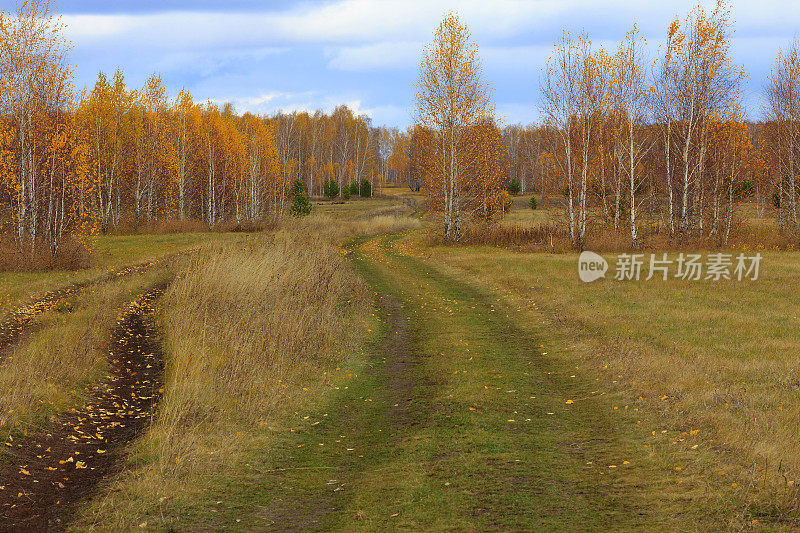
x=301, y=205
x=744, y=190
x=330, y=188
x=366, y=188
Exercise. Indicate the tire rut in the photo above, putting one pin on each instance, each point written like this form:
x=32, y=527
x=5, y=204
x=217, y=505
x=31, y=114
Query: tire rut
x=17, y=324
x=311, y=508
x=44, y=474
x=401, y=358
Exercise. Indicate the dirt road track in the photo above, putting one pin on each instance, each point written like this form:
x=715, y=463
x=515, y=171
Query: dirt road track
x=42, y=474
x=16, y=325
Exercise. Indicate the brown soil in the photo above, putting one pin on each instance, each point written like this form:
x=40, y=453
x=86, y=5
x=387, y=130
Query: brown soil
x=400, y=358
x=16, y=326
x=43, y=474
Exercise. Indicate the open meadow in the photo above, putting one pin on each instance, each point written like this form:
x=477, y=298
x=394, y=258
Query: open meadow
x=332, y=266
x=421, y=386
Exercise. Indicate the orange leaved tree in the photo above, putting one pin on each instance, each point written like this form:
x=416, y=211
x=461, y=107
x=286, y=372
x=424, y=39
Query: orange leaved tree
x=44, y=178
x=451, y=103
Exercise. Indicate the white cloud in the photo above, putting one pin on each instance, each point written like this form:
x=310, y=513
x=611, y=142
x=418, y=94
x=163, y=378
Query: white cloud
x=310, y=101
x=406, y=54
x=90, y=27
x=349, y=22
x=339, y=22
x=210, y=62
x=381, y=55
x=288, y=102
x=270, y=102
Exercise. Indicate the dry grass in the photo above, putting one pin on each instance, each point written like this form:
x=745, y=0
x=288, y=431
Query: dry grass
x=546, y=230
x=47, y=374
x=709, y=369
x=110, y=252
x=71, y=255
x=238, y=323
x=389, y=220
x=245, y=226
x=544, y=236
x=367, y=220
x=246, y=326
x=346, y=211
x=131, y=227
x=175, y=226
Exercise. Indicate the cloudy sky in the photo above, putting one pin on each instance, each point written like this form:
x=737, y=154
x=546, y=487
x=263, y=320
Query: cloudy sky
x=270, y=55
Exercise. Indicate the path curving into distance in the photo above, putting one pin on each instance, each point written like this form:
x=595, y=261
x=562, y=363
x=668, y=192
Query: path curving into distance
x=44, y=473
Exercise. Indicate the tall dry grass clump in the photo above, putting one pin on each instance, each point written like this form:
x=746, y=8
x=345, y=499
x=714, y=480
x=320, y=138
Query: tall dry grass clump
x=71, y=255
x=381, y=224
x=245, y=319
x=553, y=237
x=543, y=236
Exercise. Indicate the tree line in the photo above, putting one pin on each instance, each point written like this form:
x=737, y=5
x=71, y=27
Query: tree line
x=626, y=143
x=75, y=163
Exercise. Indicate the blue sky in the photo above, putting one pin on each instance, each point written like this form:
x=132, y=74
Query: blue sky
x=265, y=56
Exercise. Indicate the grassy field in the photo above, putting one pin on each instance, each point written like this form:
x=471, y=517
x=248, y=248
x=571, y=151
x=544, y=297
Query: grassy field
x=436, y=393
x=708, y=368
x=110, y=252
x=255, y=331
x=352, y=209
x=344, y=372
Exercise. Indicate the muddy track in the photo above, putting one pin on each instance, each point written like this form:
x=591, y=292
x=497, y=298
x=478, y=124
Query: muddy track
x=17, y=324
x=43, y=474
x=401, y=358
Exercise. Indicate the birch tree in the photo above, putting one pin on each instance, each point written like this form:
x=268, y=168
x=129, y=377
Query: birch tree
x=451, y=100
x=631, y=99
